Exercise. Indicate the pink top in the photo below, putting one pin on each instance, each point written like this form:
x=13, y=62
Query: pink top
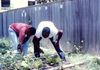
x=21, y=30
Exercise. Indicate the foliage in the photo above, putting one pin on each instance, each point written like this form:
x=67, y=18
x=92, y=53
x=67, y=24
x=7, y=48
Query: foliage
x=4, y=43
x=37, y=63
x=9, y=61
x=52, y=59
x=94, y=64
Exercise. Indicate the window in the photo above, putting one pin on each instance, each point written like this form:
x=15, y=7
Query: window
x=30, y=3
x=5, y=3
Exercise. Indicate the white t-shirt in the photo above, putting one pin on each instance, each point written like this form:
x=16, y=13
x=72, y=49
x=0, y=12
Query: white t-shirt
x=49, y=24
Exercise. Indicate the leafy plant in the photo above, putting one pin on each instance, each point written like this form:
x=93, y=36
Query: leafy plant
x=4, y=43
x=52, y=59
x=37, y=63
x=94, y=64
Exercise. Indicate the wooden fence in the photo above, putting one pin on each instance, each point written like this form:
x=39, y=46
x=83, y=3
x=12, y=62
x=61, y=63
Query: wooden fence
x=80, y=20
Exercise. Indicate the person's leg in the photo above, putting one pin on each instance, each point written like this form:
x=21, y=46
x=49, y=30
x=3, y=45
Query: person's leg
x=59, y=51
x=25, y=48
x=14, y=40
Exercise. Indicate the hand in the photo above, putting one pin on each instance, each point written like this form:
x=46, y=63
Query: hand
x=62, y=56
x=19, y=48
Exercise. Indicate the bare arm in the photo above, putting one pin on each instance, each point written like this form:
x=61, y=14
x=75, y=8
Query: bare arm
x=37, y=50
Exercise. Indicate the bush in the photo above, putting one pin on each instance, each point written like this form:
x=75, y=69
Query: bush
x=4, y=43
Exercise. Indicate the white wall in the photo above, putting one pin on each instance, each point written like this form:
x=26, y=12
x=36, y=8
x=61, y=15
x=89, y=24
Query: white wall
x=18, y=3
x=14, y=4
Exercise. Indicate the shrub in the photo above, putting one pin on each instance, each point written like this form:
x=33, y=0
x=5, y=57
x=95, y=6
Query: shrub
x=4, y=43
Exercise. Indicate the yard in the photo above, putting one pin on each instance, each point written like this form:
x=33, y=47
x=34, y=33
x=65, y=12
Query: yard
x=47, y=61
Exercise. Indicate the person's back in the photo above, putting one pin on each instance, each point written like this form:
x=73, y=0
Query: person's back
x=18, y=26
x=48, y=24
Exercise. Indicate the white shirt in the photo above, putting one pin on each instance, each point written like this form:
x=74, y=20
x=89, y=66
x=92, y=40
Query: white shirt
x=49, y=24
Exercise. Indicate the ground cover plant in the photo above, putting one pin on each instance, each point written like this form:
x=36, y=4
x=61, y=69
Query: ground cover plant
x=47, y=61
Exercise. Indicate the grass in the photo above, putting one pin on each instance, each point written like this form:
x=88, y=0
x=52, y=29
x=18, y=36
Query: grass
x=75, y=58
x=92, y=62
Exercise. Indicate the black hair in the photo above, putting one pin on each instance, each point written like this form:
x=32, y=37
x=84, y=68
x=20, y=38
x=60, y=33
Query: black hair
x=46, y=31
x=32, y=30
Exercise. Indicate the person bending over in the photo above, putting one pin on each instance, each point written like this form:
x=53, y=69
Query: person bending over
x=47, y=29
x=19, y=34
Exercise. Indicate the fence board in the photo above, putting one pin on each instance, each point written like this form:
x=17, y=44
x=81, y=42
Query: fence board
x=79, y=19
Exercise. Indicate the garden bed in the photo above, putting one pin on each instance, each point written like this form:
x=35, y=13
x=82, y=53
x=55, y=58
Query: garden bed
x=47, y=61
